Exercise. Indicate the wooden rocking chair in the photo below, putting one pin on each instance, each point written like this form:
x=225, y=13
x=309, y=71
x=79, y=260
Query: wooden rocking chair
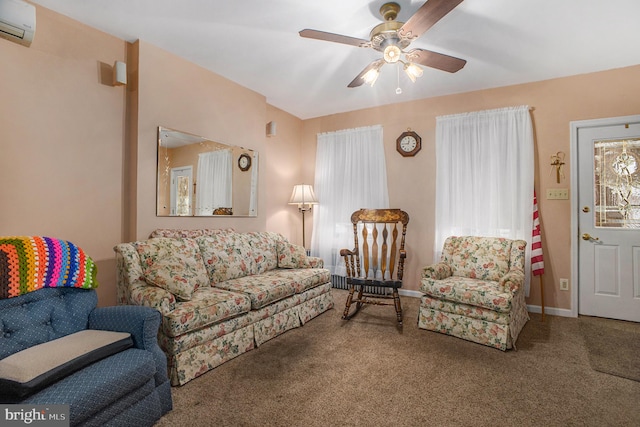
x=382, y=256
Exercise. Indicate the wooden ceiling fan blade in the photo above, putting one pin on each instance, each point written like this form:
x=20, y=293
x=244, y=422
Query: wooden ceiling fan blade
x=426, y=17
x=336, y=38
x=359, y=80
x=436, y=60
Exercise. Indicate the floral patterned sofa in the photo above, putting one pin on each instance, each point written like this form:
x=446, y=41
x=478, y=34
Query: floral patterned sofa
x=476, y=291
x=221, y=293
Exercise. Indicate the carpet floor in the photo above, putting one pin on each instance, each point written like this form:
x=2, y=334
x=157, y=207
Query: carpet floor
x=369, y=372
x=613, y=346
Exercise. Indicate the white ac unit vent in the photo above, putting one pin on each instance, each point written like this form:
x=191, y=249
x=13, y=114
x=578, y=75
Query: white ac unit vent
x=17, y=21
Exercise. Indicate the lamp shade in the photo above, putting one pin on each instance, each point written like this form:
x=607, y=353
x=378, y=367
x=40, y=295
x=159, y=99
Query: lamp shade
x=303, y=195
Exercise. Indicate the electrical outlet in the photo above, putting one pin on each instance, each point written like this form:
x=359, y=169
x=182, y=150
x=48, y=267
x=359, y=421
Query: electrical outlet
x=557, y=193
x=564, y=284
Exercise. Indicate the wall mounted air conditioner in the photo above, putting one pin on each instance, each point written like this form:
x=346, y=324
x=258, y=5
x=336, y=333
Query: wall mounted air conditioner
x=17, y=21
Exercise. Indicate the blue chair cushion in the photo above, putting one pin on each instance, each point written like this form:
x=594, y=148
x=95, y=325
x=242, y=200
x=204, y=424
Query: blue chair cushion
x=35, y=368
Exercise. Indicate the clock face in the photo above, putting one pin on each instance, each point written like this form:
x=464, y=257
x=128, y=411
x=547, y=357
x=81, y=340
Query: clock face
x=244, y=162
x=408, y=143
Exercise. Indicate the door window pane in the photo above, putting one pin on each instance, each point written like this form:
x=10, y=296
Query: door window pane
x=182, y=196
x=617, y=183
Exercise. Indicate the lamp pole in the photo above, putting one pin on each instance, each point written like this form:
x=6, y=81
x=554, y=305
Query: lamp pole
x=303, y=210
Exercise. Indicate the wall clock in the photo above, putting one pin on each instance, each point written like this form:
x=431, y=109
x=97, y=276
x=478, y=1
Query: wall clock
x=409, y=143
x=244, y=162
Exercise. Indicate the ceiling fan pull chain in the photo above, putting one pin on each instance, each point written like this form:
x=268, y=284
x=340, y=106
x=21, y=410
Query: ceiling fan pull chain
x=398, y=89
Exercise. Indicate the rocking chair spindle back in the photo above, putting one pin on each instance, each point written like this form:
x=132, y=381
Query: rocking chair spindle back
x=379, y=254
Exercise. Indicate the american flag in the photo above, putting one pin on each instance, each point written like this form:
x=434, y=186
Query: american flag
x=537, y=263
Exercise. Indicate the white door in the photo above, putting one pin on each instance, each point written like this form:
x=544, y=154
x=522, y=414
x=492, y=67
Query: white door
x=609, y=220
x=181, y=194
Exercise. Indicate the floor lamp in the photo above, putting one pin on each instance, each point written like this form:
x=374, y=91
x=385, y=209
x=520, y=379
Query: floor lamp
x=305, y=198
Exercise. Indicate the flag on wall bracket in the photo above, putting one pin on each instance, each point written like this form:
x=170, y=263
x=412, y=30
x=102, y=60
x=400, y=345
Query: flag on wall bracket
x=537, y=261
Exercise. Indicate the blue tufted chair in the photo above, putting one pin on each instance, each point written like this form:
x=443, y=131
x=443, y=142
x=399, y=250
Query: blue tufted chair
x=128, y=388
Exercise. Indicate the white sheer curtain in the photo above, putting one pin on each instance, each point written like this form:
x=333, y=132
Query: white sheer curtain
x=484, y=176
x=350, y=174
x=214, y=186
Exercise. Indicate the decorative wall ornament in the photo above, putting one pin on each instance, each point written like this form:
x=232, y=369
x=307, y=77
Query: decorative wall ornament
x=557, y=162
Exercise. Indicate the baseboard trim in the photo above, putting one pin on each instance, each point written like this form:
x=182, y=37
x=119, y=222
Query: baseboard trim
x=553, y=311
x=410, y=293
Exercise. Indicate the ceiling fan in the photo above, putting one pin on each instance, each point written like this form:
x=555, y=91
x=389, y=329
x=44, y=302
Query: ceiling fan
x=393, y=37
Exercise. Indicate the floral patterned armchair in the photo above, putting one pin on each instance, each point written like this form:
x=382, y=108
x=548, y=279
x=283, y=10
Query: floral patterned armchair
x=476, y=291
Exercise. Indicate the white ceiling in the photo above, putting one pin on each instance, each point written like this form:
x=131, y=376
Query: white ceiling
x=256, y=43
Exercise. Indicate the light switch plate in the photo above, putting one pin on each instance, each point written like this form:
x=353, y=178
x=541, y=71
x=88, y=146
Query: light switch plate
x=557, y=193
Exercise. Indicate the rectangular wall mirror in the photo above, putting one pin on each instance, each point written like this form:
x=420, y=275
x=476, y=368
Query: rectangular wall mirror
x=200, y=177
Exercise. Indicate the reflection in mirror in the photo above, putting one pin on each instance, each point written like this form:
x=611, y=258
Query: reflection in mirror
x=200, y=177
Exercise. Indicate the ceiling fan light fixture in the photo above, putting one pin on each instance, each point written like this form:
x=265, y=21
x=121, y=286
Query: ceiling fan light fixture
x=413, y=71
x=392, y=53
x=393, y=37
x=371, y=76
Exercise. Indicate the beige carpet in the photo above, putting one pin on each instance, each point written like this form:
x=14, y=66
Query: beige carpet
x=367, y=372
x=613, y=346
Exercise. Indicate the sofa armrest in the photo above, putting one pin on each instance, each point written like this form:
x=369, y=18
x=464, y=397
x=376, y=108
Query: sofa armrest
x=142, y=323
x=131, y=287
x=315, y=262
x=437, y=271
x=512, y=281
x=153, y=297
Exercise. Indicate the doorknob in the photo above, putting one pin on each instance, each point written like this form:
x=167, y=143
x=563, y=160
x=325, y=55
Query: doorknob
x=587, y=236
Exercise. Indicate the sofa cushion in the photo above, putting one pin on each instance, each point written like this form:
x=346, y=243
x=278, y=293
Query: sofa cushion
x=207, y=306
x=480, y=293
x=29, y=263
x=301, y=279
x=264, y=250
x=173, y=264
x=483, y=258
x=37, y=367
x=262, y=289
x=226, y=256
x=291, y=256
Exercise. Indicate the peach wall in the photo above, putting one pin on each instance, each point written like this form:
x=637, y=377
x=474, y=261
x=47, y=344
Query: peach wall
x=62, y=125
x=555, y=104
x=283, y=168
x=177, y=94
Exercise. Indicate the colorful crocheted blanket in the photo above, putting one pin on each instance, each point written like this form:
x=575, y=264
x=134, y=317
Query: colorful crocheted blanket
x=29, y=263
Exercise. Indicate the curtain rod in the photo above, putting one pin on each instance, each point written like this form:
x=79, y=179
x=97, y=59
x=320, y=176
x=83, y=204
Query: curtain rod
x=496, y=110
